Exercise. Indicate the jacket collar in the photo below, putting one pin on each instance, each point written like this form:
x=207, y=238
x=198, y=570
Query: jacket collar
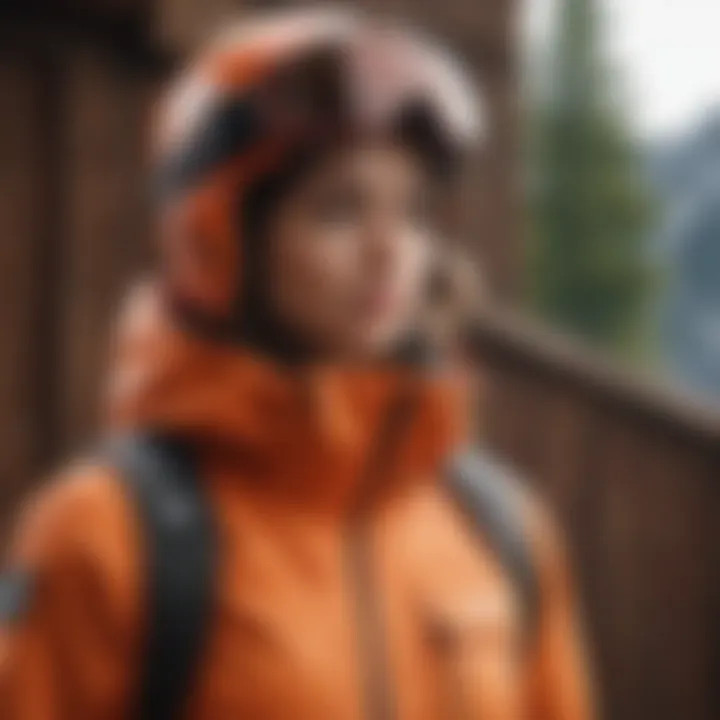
x=326, y=433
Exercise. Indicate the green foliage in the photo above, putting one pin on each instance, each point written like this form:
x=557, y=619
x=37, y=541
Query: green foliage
x=590, y=210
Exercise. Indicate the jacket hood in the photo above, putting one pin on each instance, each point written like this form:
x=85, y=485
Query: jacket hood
x=312, y=428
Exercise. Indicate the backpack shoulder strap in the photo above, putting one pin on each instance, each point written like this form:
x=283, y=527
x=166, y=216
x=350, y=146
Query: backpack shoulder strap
x=179, y=545
x=491, y=497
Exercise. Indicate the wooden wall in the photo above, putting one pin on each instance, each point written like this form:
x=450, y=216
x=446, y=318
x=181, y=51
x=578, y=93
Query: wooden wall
x=634, y=479
x=73, y=219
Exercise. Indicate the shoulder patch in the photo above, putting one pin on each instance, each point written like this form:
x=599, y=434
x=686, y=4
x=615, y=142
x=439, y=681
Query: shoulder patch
x=15, y=594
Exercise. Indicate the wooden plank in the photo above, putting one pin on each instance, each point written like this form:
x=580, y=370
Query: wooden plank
x=675, y=503
x=21, y=196
x=502, y=409
x=644, y=550
x=107, y=188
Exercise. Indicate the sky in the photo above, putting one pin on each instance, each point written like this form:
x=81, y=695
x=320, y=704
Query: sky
x=668, y=52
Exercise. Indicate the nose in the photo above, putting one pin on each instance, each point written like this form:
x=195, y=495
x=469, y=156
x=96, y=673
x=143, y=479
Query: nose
x=384, y=249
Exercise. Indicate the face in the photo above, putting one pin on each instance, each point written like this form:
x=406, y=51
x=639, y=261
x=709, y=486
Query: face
x=350, y=251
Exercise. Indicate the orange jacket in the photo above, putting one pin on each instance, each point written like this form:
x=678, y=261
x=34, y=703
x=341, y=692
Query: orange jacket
x=325, y=609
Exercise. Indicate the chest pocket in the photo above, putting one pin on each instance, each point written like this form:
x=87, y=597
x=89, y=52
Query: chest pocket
x=478, y=649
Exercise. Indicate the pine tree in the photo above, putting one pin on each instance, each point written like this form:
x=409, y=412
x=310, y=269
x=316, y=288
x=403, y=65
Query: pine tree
x=590, y=211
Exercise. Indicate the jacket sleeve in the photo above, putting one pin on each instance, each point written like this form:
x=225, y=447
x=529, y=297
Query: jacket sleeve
x=67, y=638
x=561, y=687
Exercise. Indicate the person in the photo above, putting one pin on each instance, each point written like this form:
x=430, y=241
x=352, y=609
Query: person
x=282, y=341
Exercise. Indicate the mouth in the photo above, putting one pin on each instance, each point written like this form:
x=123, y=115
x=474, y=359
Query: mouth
x=379, y=303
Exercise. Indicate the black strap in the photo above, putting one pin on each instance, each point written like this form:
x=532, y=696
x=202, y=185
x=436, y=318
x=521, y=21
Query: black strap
x=180, y=552
x=491, y=497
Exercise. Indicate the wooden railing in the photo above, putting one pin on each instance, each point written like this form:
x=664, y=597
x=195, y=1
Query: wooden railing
x=633, y=473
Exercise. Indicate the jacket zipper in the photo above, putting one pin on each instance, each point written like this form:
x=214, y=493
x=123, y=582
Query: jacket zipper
x=458, y=694
x=377, y=687
x=377, y=693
